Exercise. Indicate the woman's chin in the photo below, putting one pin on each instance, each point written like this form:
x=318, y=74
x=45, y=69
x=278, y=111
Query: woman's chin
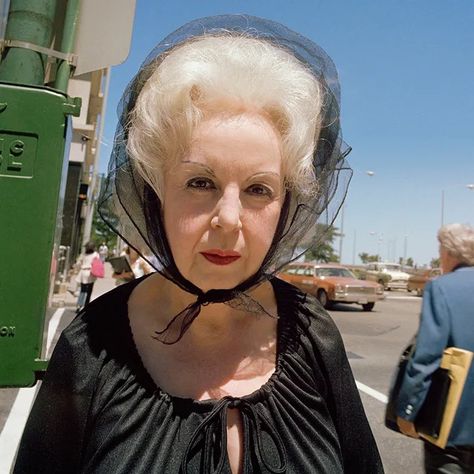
x=218, y=278
x=218, y=285
x=215, y=283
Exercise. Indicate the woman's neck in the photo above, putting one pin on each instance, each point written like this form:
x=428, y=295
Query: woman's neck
x=217, y=318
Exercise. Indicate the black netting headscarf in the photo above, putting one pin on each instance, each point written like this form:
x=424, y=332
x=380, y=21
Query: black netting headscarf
x=130, y=206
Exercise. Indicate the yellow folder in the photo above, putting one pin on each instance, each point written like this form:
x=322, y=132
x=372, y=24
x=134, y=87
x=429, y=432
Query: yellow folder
x=457, y=362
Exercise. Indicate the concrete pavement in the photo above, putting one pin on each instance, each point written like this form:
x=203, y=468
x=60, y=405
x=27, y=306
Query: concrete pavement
x=102, y=285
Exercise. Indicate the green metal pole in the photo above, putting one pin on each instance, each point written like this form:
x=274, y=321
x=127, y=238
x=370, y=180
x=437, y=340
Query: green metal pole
x=70, y=25
x=30, y=21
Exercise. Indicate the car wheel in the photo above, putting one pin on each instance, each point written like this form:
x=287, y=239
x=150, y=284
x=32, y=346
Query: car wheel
x=368, y=306
x=323, y=299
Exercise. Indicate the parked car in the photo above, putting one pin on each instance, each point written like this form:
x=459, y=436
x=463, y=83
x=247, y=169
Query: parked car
x=398, y=279
x=361, y=274
x=418, y=281
x=332, y=283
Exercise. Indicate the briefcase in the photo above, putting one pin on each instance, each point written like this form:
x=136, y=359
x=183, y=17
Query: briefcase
x=396, y=385
x=430, y=417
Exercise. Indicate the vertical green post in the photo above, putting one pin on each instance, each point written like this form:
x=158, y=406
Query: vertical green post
x=35, y=133
x=67, y=44
x=30, y=21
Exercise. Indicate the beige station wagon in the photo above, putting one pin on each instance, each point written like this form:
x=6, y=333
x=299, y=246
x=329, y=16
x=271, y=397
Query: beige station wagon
x=332, y=283
x=388, y=274
x=418, y=281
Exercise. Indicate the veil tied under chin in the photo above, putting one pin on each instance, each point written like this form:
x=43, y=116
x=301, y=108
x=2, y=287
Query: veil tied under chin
x=133, y=210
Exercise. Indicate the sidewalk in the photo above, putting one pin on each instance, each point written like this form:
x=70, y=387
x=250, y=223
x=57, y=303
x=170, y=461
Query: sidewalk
x=101, y=286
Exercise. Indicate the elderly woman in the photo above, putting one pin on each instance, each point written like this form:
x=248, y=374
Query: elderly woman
x=227, y=152
x=446, y=321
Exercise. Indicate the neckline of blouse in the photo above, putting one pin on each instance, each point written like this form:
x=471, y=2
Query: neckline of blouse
x=285, y=344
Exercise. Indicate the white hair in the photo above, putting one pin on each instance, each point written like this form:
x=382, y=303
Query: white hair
x=458, y=241
x=245, y=73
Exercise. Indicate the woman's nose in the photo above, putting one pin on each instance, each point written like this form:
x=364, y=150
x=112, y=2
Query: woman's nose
x=228, y=212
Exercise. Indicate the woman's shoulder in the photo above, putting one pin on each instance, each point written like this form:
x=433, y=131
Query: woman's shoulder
x=303, y=307
x=96, y=351
x=315, y=341
x=313, y=328
x=103, y=319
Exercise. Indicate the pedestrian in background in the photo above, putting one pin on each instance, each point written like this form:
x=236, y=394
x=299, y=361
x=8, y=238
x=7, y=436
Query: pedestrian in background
x=84, y=276
x=139, y=266
x=447, y=320
x=103, y=251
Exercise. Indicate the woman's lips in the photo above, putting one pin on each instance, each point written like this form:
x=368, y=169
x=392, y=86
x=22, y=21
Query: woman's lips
x=221, y=257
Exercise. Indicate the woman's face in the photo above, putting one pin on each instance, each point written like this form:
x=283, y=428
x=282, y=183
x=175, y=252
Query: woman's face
x=222, y=201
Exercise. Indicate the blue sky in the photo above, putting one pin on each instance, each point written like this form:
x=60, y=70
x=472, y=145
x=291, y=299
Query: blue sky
x=406, y=69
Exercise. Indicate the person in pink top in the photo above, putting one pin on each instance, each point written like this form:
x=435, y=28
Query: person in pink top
x=84, y=277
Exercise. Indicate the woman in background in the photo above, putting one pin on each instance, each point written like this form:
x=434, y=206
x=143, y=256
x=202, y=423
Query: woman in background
x=84, y=276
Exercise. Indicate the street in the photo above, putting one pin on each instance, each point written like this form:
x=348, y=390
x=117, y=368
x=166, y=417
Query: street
x=373, y=343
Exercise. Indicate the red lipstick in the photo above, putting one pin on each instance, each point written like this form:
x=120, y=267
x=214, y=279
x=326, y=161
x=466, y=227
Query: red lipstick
x=221, y=257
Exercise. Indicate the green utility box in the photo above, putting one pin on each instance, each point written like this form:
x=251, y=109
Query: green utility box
x=33, y=158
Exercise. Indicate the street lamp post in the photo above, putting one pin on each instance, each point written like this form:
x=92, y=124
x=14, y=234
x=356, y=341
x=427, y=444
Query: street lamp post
x=354, y=246
x=379, y=247
x=442, y=207
x=342, y=233
x=379, y=241
x=468, y=186
x=341, y=238
x=405, y=246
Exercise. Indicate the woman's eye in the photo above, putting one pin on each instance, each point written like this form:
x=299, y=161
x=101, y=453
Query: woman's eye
x=200, y=184
x=259, y=190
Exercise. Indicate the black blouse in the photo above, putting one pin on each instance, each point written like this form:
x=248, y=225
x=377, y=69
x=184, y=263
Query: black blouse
x=98, y=410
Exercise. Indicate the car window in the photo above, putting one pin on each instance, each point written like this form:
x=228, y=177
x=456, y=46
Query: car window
x=308, y=271
x=300, y=271
x=334, y=272
x=392, y=268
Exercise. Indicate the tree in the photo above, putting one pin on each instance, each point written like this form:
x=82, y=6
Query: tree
x=409, y=262
x=435, y=262
x=101, y=232
x=366, y=258
x=323, y=251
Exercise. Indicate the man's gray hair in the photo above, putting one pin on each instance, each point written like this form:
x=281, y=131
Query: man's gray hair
x=458, y=241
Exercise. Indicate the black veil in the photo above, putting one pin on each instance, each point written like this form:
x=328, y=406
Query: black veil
x=132, y=209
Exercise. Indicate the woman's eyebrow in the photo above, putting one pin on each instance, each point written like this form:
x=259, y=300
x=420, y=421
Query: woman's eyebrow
x=263, y=174
x=207, y=169
x=199, y=165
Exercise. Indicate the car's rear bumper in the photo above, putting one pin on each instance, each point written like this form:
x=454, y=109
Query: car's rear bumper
x=397, y=285
x=361, y=298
